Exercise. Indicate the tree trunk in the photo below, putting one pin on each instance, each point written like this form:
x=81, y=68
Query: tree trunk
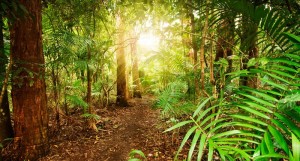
x=91, y=121
x=202, y=48
x=55, y=81
x=6, y=130
x=28, y=84
x=122, y=94
x=224, y=50
x=249, y=49
x=195, y=51
x=137, y=89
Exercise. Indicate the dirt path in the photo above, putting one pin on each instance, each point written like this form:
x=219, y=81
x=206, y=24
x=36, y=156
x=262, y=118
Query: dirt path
x=121, y=130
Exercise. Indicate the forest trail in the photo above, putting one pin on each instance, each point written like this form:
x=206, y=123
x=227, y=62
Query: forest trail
x=120, y=131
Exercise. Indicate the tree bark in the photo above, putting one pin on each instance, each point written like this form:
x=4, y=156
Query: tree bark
x=91, y=121
x=28, y=84
x=6, y=130
x=195, y=51
x=122, y=93
x=202, y=49
x=137, y=89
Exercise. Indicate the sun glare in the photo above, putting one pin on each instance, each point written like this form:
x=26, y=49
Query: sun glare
x=148, y=41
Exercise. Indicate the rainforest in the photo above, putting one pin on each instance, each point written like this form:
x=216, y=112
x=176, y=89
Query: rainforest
x=143, y=80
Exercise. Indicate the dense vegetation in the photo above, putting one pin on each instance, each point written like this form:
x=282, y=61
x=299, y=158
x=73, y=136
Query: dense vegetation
x=225, y=72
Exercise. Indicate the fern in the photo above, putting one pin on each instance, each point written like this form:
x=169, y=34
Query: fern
x=170, y=98
x=255, y=124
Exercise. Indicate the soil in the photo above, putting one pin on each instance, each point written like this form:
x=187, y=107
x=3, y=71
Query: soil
x=121, y=129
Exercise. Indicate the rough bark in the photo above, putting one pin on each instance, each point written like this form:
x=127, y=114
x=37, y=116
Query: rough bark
x=137, y=89
x=28, y=85
x=122, y=93
x=6, y=130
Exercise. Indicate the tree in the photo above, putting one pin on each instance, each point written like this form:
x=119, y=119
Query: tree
x=137, y=89
x=122, y=90
x=28, y=84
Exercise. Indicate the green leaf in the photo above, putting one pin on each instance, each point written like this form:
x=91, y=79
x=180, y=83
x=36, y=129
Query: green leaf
x=202, y=146
x=178, y=125
x=257, y=113
x=186, y=137
x=268, y=156
x=201, y=106
x=279, y=139
x=204, y=113
x=296, y=148
x=227, y=133
x=280, y=125
x=210, y=150
x=193, y=145
x=134, y=159
x=208, y=118
x=274, y=84
x=257, y=106
x=269, y=142
x=289, y=123
x=259, y=93
x=238, y=150
x=139, y=152
x=250, y=119
x=256, y=99
x=237, y=139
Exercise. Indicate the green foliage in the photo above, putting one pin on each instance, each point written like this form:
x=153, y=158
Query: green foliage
x=134, y=153
x=257, y=124
x=171, y=100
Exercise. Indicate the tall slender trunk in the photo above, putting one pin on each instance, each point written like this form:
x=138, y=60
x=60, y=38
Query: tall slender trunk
x=195, y=51
x=122, y=94
x=211, y=70
x=55, y=82
x=91, y=121
x=137, y=89
x=28, y=84
x=6, y=130
x=202, y=48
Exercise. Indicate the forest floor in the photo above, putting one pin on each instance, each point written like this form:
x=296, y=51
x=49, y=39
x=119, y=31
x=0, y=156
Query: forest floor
x=120, y=131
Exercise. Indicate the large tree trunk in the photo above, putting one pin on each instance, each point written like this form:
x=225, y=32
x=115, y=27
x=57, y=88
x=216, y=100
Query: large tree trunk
x=6, y=130
x=28, y=84
x=122, y=93
x=137, y=89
